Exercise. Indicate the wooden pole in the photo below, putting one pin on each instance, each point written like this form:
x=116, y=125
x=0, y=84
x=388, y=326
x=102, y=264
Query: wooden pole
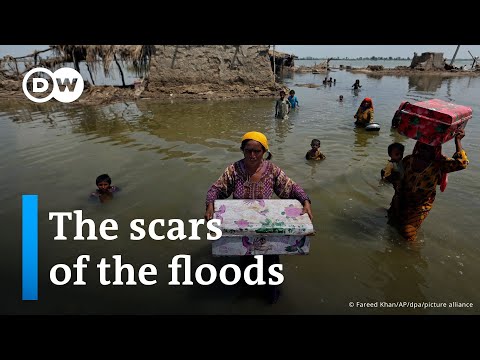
x=474, y=59
x=454, y=55
x=91, y=76
x=274, y=64
x=119, y=69
x=16, y=67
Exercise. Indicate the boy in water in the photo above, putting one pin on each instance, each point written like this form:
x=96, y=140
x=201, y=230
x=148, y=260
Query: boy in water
x=393, y=173
x=105, y=188
x=357, y=85
x=315, y=153
x=292, y=99
x=282, y=107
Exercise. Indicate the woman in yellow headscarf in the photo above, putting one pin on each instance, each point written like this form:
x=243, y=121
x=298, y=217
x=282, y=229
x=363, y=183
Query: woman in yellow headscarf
x=364, y=113
x=254, y=177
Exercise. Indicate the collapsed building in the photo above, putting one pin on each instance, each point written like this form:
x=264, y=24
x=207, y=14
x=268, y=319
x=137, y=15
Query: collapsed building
x=428, y=61
x=231, y=70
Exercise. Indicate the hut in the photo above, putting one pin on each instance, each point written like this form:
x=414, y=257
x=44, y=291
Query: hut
x=137, y=55
x=282, y=61
x=204, y=70
x=176, y=65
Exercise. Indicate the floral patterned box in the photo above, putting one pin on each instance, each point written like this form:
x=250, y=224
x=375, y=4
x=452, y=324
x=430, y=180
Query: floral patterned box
x=260, y=245
x=262, y=217
x=432, y=122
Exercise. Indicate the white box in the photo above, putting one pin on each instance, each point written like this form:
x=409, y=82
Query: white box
x=261, y=245
x=262, y=227
x=253, y=217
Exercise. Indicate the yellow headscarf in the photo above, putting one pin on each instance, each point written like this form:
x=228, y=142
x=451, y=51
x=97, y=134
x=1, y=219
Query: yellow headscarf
x=257, y=136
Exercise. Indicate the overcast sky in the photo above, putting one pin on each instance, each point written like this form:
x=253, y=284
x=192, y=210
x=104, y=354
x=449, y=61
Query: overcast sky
x=20, y=50
x=351, y=51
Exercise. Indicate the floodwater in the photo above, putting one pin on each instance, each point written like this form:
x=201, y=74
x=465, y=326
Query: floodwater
x=164, y=156
x=387, y=64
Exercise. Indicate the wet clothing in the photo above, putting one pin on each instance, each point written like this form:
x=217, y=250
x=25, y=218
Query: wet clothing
x=393, y=173
x=235, y=180
x=316, y=156
x=392, y=168
x=293, y=101
x=282, y=109
x=112, y=189
x=417, y=190
x=364, y=116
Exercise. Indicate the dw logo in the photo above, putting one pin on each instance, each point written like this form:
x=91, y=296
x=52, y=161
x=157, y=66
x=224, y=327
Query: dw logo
x=67, y=85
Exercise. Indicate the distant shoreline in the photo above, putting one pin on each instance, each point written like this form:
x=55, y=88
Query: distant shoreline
x=413, y=72
x=370, y=59
x=357, y=59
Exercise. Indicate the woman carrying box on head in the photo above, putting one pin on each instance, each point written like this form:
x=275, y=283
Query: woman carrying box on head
x=255, y=178
x=422, y=172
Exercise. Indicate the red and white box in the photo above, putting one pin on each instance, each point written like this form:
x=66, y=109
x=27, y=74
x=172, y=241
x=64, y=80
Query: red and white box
x=433, y=122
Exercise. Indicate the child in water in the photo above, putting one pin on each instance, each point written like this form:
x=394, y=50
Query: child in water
x=393, y=172
x=315, y=153
x=293, y=100
x=282, y=107
x=105, y=188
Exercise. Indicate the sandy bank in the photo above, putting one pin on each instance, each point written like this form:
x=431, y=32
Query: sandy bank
x=109, y=94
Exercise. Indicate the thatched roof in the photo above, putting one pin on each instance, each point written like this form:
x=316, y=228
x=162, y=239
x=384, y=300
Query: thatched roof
x=279, y=54
x=138, y=55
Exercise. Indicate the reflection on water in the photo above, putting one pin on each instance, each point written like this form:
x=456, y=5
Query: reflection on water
x=165, y=155
x=315, y=166
x=397, y=138
x=427, y=83
x=374, y=76
x=362, y=138
x=284, y=126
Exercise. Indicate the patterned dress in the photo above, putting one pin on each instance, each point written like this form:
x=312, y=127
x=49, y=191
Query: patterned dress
x=418, y=189
x=236, y=181
x=364, y=116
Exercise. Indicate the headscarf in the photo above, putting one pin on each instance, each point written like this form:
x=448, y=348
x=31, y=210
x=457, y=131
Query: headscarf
x=369, y=101
x=257, y=136
x=438, y=156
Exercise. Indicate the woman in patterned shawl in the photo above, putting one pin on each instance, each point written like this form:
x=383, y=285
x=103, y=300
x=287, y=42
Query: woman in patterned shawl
x=423, y=171
x=255, y=178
